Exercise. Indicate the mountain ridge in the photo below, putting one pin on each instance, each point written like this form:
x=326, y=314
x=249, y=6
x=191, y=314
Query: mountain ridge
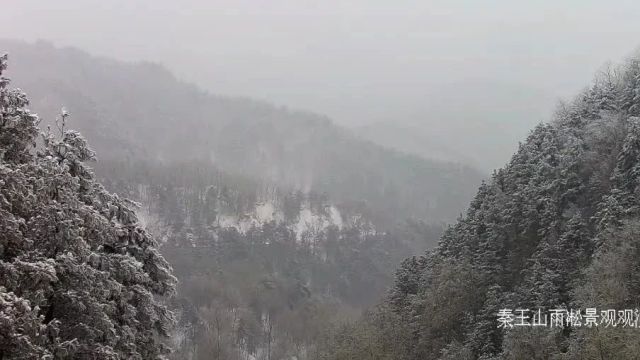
x=126, y=109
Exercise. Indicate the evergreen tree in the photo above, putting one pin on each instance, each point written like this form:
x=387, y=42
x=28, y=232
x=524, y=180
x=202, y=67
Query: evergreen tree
x=80, y=278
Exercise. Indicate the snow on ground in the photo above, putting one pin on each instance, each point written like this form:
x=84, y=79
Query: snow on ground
x=307, y=221
x=313, y=223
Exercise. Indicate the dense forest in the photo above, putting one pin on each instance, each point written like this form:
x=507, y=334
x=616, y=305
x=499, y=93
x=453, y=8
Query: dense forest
x=252, y=232
x=266, y=265
x=556, y=228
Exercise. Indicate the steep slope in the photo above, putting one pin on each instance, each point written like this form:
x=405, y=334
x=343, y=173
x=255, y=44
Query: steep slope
x=556, y=228
x=141, y=110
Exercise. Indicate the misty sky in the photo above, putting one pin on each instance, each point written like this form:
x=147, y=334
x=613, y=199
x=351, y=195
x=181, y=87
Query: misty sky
x=357, y=61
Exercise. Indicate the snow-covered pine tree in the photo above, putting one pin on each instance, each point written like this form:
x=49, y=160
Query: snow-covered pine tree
x=79, y=278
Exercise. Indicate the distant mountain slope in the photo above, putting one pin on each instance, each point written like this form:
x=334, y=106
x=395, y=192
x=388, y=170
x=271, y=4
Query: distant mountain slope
x=141, y=110
x=414, y=141
x=487, y=117
x=476, y=122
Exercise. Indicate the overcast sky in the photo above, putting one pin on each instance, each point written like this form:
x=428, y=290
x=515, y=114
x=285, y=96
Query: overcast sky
x=356, y=61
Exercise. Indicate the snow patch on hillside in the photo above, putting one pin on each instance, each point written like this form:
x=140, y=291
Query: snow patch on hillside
x=307, y=224
x=336, y=217
x=310, y=223
x=267, y=212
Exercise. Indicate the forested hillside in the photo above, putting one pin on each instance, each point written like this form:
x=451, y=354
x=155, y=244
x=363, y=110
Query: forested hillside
x=263, y=271
x=141, y=111
x=556, y=228
x=278, y=224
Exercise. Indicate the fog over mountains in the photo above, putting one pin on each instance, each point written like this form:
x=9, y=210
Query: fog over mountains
x=131, y=111
x=486, y=73
x=304, y=180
